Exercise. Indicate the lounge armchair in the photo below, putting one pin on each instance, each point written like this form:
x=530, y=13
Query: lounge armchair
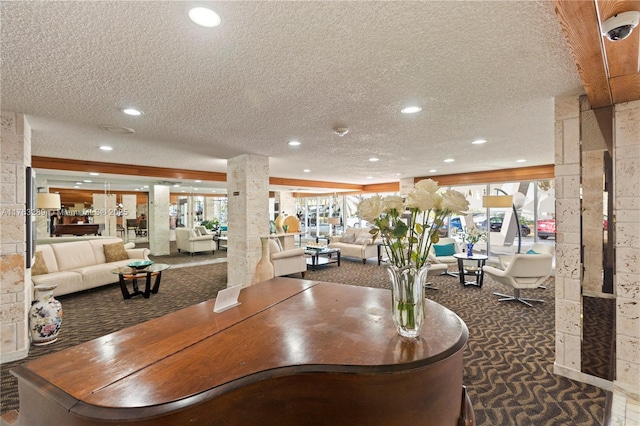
x=286, y=262
x=442, y=253
x=189, y=240
x=525, y=271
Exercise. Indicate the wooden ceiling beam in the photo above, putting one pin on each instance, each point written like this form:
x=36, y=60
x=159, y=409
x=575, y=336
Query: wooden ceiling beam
x=610, y=71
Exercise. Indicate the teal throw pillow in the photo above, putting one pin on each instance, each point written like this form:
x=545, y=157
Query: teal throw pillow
x=444, y=249
x=532, y=252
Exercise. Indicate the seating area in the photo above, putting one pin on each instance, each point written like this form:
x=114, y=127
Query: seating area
x=80, y=265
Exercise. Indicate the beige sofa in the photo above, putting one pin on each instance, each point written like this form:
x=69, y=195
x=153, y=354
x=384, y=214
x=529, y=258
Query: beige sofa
x=80, y=265
x=356, y=242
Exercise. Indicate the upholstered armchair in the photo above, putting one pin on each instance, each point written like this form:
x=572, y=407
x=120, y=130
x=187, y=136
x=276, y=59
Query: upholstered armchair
x=442, y=253
x=525, y=271
x=191, y=241
x=286, y=262
x=536, y=247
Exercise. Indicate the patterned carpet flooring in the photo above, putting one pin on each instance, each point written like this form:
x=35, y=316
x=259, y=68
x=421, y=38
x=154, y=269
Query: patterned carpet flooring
x=508, y=361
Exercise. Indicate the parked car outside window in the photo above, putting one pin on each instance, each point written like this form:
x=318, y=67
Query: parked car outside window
x=546, y=228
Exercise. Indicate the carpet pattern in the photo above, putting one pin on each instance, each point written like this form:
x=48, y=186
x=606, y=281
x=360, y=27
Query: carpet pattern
x=508, y=363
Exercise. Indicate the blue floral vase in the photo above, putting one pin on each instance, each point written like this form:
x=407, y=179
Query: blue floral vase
x=469, y=250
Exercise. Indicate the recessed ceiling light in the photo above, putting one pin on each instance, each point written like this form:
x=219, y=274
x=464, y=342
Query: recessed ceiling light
x=76, y=186
x=479, y=141
x=398, y=174
x=294, y=143
x=145, y=186
x=175, y=185
x=522, y=160
x=307, y=171
x=213, y=190
x=78, y=183
x=369, y=177
x=94, y=174
x=410, y=110
x=137, y=189
x=197, y=181
x=195, y=189
x=374, y=159
x=106, y=148
x=117, y=129
x=87, y=181
x=205, y=17
x=432, y=171
x=449, y=160
x=132, y=111
x=183, y=191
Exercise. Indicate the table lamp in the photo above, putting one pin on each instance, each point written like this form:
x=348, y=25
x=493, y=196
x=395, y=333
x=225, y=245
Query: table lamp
x=48, y=201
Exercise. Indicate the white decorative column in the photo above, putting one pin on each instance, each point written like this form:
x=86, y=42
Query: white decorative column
x=627, y=278
x=158, y=220
x=15, y=278
x=248, y=192
x=567, y=280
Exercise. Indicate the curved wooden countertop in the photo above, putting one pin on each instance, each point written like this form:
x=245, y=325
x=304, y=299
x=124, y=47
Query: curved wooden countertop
x=283, y=328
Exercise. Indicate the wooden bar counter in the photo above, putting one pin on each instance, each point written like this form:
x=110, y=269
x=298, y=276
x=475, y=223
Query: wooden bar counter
x=294, y=352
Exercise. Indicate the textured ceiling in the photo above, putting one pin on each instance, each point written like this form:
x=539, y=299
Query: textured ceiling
x=276, y=71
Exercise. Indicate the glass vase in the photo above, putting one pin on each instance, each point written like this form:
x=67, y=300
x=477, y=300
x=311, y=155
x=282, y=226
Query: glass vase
x=469, y=250
x=407, y=298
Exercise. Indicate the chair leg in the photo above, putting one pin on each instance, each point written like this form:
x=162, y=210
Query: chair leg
x=451, y=274
x=516, y=297
x=429, y=286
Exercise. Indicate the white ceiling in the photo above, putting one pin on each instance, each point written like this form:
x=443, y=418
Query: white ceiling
x=276, y=71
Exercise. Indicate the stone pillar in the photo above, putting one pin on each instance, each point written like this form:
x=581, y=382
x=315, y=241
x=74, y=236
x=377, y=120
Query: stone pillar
x=593, y=207
x=209, y=208
x=15, y=278
x=104, y=206
x=406, y=185
x=568, y=274
x=248, y=189
x=627, y=278
x=158, y=220
x=129, y=204
x=287, y=203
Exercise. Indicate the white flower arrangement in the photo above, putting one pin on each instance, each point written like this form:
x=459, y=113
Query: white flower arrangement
x=410, y=227
x=473, y=235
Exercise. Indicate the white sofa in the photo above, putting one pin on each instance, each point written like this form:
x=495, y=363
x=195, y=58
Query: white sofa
x=80, y=265
x=191, y=241
x=356, y=242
